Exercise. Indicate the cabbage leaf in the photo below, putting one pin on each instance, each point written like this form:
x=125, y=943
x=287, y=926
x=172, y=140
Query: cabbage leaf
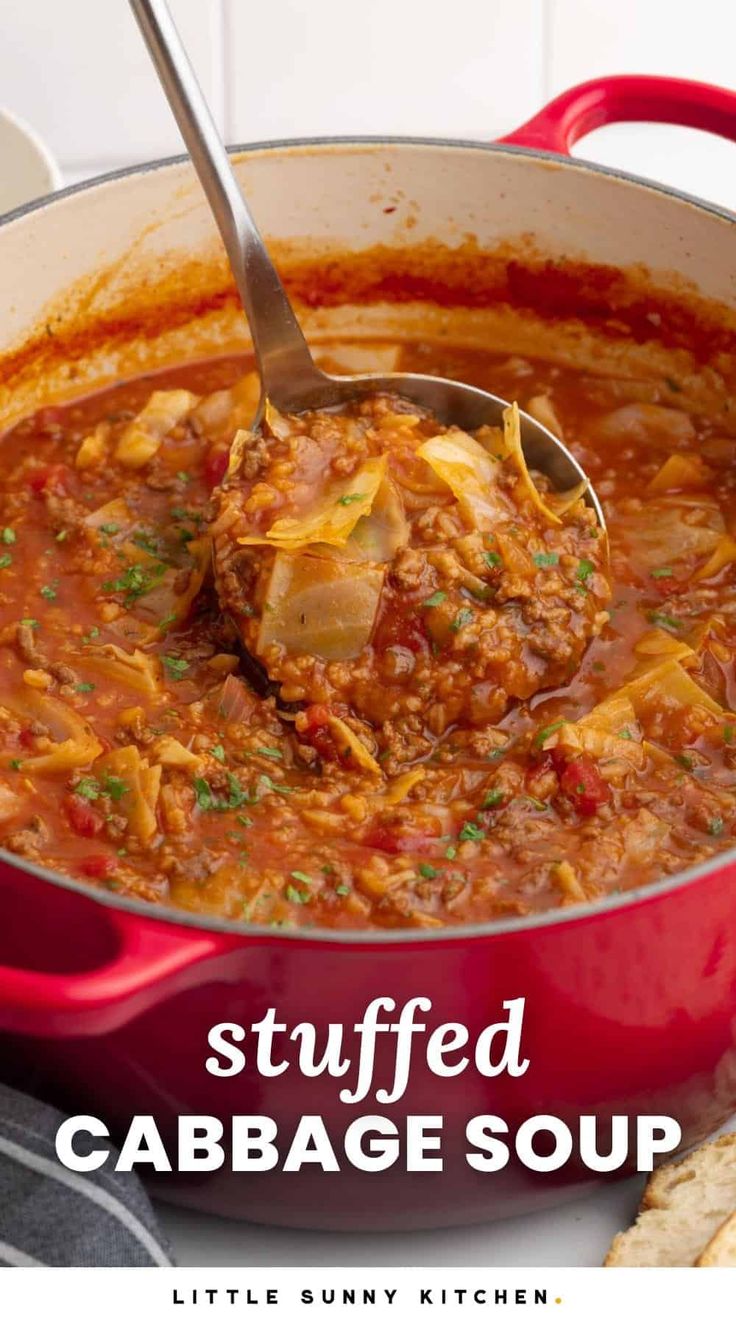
x=333, y=515
x=471, y=474
x=320, y=605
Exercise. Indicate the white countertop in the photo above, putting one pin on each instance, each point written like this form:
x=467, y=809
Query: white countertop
x=576, y=1234
x=573, y=1235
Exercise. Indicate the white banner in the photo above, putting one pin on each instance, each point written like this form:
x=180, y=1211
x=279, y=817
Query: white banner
x=320, y=1296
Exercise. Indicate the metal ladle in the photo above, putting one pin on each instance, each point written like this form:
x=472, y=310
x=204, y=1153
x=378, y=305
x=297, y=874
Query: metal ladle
x=289, y=376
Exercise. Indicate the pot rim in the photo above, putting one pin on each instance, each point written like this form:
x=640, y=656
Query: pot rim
x=572, y=915
x=377, y=140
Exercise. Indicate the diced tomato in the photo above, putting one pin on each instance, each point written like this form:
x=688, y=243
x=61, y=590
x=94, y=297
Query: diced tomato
x=314, y=730
x=322, y=740
x=582, y=783
x=49, y=478
x=397, y=840
x=26, y=738
x=316, y=715
x=85, y=820
x=401, y=631
x=215, y=465
x=97, y=866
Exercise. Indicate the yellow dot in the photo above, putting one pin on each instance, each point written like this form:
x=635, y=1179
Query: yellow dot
x=558, y=1300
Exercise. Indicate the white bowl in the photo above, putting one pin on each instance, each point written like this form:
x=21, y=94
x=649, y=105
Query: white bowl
x=27, y=168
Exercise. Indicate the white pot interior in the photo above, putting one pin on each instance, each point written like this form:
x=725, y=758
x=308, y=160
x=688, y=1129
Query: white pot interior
x=145, y=243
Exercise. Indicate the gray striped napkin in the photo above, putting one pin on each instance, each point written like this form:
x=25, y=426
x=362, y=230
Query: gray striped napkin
x=51, y=1216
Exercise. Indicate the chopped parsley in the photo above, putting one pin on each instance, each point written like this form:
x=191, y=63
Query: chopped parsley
x=301, y=877
x=585, y=570
x=30, y=622
x=109, y=529
x=175, y=666
x=492, y=559
x=547, y=731
x=451, y=852
x=265, y=781
x=428, y=871
x=661, y=618
x=269, y=752
x=728, y=734
x=464, y=617
x=236, y=795
x=296, y=897
x=49, y=591
x=435, y=599
x=134, y=582
x=349, y=498
x=492, y=799
x=6, y=560
x=543, y=559
x=84, y=687
x=342, y=890
x=471, y=832
x=88, y=787
x=91, y=789
x=146, y=541
x=184, y=513
x=204, y=794
x=207, y=800
x=664, y=572
x=115, y=787
x=8, y=537
x=93, y=634
x=715, y=827
x=15, y=764
x=218, y=753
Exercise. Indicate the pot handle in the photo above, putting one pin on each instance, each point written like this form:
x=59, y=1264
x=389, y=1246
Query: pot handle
x=625, y=98
x=152, y=960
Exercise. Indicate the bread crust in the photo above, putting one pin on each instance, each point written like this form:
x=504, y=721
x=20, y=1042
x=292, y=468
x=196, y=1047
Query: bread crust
x=720, y=1253
x=666, y=1222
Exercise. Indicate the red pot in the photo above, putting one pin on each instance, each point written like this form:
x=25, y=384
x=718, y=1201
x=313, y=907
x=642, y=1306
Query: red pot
x=106, y=1003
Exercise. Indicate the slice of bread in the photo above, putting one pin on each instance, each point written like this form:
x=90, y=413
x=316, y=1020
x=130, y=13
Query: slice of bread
x=683, y=1206
x=720, y=1253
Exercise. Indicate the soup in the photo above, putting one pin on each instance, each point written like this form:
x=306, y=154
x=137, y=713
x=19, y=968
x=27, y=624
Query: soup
x=145, y=752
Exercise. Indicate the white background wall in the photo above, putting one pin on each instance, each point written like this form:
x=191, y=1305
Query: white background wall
x=77, y=71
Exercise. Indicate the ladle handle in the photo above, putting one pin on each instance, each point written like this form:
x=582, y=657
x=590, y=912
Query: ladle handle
x=282, y=354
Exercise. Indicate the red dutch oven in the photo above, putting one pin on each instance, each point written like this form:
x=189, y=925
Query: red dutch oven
x=105, y=1003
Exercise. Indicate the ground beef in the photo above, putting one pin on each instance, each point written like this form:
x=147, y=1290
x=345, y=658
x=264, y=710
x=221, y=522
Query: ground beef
x=27, y=646
x=465, y=619
x=29, y=840
x=30, y=652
